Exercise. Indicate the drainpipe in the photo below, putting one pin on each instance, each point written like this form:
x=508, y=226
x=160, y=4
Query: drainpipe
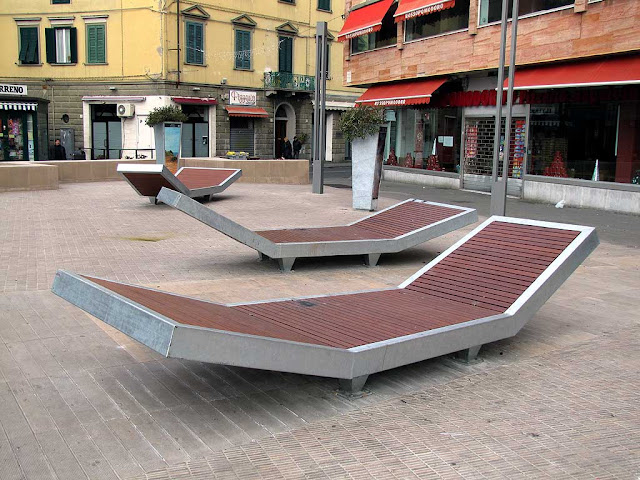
x=178, y=42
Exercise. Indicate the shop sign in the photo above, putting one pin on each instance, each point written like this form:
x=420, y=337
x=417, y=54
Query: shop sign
x=8, y=89
x=243, y=97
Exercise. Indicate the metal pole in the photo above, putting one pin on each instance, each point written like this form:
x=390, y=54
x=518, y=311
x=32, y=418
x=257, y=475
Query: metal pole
x=496, y=187
x=507, y=126
x=319, y=123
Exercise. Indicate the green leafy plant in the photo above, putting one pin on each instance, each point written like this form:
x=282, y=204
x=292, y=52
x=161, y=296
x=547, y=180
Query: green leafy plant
x=303, y=137
x=360, y=122
x=169, y=113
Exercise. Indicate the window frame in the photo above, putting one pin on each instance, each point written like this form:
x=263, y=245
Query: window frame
x=51, y=44
x=202, y=24
x=89, y=26
x=329, y=10
x=60, y=2
x=441, y=34
x=37, y=52
x=249, y=32
x=526, y=15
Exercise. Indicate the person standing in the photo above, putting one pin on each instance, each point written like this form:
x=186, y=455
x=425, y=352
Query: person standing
x=287, y=150
x=59, y=153
x=297, y=146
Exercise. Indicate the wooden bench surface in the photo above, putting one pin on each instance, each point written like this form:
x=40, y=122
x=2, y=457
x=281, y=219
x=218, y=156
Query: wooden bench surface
x=482, y=277
x=193, y=178
x=392, y=223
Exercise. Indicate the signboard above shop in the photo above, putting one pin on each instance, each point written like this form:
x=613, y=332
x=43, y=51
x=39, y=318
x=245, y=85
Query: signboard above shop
x=9, y=89
x=243, y=97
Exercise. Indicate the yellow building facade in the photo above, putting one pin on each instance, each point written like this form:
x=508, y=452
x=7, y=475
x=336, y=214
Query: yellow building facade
x=89, y=73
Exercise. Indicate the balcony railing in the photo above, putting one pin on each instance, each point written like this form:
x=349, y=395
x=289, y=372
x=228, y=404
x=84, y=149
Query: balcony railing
x=289, y=81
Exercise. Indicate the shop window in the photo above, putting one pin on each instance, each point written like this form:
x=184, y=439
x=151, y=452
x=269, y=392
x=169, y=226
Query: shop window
x=386, y=36
x=96, y=44
x=491, y=10
x=62, y=45
x=576, y=140
x=324, y=5
x=195, y=43
x=449, y=20
x=285, y=54
x=243, y=50
x=241, y=135
x=29, y=50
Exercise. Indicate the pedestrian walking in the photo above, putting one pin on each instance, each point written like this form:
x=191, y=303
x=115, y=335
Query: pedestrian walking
x=287, y=151
x=297, y=146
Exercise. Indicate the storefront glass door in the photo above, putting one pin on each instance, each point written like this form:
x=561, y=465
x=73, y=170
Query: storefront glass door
x=106, y=132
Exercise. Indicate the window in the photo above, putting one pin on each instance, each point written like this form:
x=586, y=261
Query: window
x=491, y=10
x=60, y=2
x=292, y=2
x=243, y=50
x=96, y=49
x=285, y=54
x=195, y=43
x=449, y=20
x=324, y=5
x=387, y=35
x=61, y=45
x=29, y=52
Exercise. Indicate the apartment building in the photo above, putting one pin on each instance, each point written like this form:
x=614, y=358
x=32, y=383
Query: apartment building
x=89, y=73
x=432, y=64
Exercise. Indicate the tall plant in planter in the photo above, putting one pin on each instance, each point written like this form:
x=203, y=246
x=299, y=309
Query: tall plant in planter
x=167, y=125
x=361, y=126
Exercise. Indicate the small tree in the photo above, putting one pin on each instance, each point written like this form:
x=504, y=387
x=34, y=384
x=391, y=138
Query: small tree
x=168, y=113
x=360, y=122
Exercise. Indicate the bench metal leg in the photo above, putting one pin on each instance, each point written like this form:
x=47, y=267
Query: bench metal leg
x=352, y=385
x=286, y=263
x=153, y=200
x=262, y=257
x=371, y=259
x=469, y=355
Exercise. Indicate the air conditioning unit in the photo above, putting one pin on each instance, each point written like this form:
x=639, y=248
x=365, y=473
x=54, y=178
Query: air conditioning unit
x=125, y=109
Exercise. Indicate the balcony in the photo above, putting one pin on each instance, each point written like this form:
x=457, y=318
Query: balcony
x=289, y=81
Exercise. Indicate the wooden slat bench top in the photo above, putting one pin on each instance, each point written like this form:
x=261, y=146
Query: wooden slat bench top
x=392, y=223
x=193, y=178
x=148, y=184
x=481, y=278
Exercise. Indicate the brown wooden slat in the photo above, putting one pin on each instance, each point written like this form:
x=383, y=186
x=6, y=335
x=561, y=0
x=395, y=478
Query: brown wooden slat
x=193, y=178
x=148, y=184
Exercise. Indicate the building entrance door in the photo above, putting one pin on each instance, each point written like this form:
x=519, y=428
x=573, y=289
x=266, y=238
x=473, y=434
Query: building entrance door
x=195, y=131
x=106, y=132
x=478, y=154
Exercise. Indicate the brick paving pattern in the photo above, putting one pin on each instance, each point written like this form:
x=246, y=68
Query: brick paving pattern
x=81, y=400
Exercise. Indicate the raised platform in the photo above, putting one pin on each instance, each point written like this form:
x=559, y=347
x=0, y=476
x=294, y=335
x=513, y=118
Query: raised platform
x=290, y=172
x=78, y=171
x=16, y=176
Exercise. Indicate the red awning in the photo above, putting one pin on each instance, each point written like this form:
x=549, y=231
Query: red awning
x=609, y=71
x=406, y=93
x=194, y=101
x=408, y=9
x=237, y=111
x=364, y=20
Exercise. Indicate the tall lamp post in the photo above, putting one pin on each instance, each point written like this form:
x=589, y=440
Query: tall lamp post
x=499, y=184
x=319, y=123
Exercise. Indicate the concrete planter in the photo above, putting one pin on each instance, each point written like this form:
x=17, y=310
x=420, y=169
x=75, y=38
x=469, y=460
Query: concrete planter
x=365, y=182
x=160, y=139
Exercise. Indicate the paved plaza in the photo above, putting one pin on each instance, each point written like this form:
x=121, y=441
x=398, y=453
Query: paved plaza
x=79, y=399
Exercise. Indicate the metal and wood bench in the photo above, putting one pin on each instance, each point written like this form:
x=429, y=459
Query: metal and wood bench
x=193, y=182
x=482, y=289
x=391, y=230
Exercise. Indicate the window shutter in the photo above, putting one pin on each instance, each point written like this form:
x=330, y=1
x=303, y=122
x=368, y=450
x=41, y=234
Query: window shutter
x=199, y=43
x=285, y=55
x=191, y=42
x=247, y=49
x=50, y=42
x=92, y=53
x=101, y=44
x=32, y=52
x=24, y=44
x=324, y=5
x=239, y=46
x=243, y=49
x=73, y=39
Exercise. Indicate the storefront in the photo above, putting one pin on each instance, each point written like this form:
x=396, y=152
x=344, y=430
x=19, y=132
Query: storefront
x=20, y=136
x=243, y=113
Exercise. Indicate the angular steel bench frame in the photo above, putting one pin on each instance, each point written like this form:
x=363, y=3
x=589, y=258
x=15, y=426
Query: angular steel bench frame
x=286, y=253
x=165, y=174
x=351, y=365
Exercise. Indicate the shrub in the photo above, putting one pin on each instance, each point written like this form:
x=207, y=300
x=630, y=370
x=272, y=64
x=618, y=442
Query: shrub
x=360, y=122
x=169, y=113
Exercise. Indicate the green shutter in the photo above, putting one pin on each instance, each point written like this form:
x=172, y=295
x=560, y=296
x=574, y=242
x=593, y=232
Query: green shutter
x=24, y=44
x=324, y=5
x=243, y=49
x=50, y=43
x=190, y=33
x=32, y=51
x=199, y=43
x=73, y=38
x=96, y=44
x=285, y=52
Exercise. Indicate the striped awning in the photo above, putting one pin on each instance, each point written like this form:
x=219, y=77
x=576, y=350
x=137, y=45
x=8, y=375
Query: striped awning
x=18, y=106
